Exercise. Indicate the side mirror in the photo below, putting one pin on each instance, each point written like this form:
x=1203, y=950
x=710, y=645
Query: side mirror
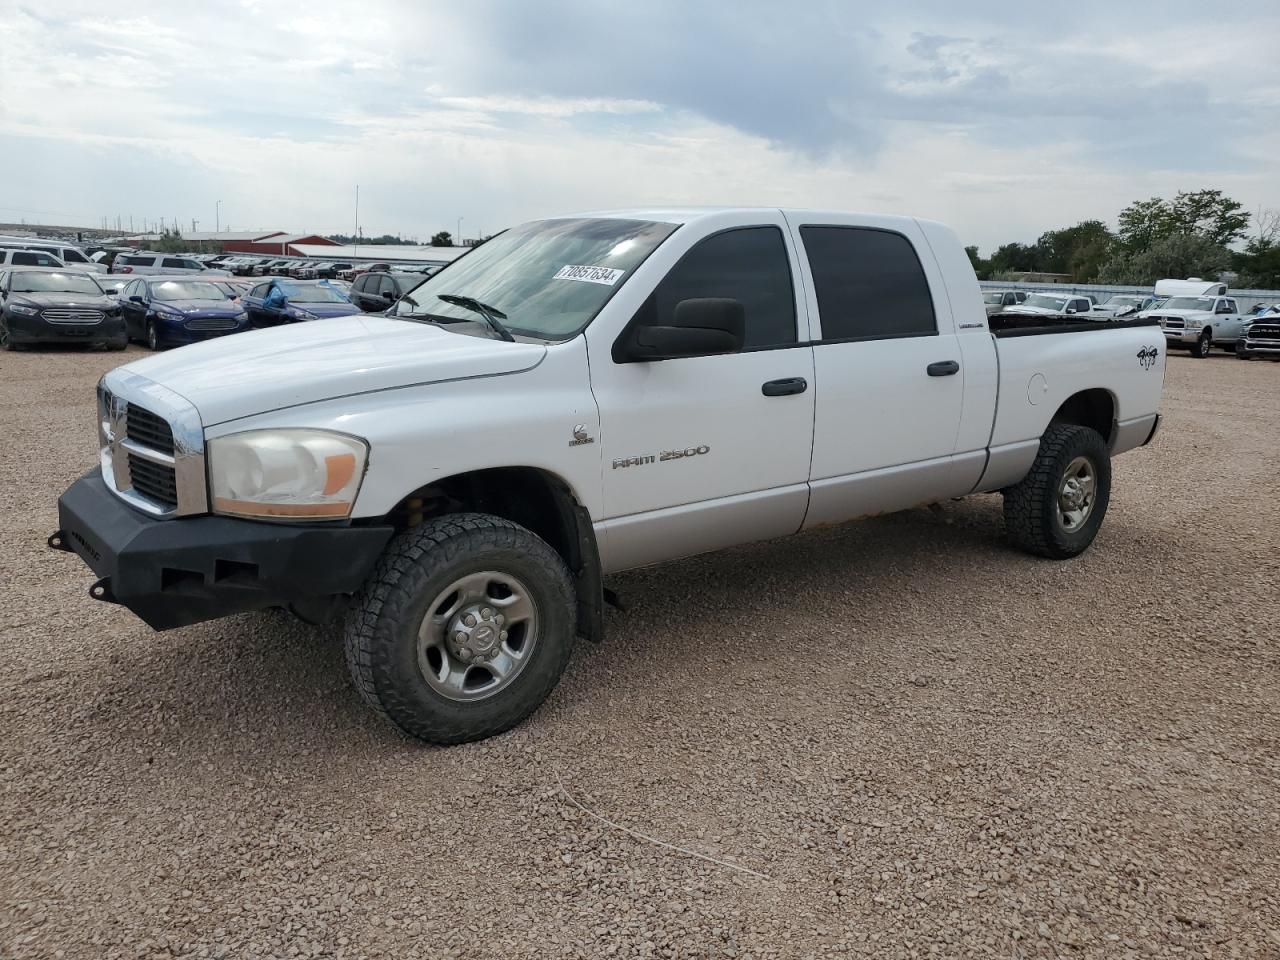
x=703, y=327
x=135, y=299
x=388, y=296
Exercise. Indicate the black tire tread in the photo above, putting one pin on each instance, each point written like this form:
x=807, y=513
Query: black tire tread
x=1027, y=503
x=430, y=546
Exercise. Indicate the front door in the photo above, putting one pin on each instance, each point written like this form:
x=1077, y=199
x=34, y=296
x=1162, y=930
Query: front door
x=703, y=452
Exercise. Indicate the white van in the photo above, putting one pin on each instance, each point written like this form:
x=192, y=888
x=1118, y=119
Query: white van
x=1191, y=287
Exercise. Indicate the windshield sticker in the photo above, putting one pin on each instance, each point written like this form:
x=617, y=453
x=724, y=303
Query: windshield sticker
x=606, y=275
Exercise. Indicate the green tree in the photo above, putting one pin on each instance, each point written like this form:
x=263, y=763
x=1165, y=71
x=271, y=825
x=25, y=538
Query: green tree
x=1210, y=214
x=1078, y=251
x=980, y=266
x=1176, y=255
x=442, y=239
x=1012, y=257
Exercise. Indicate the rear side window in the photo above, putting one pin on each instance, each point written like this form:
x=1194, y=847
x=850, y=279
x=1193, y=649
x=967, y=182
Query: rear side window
x=22, y=258
x=747, y=264
x=869, y=284
x=174, y=262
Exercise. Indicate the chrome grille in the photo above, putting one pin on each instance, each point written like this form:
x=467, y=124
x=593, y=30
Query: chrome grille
x=155, y=481
x=1174, y=323
x=148, y=429
x=152, y=446
x=1264, y=331
x=72, y=315
x=211, y=323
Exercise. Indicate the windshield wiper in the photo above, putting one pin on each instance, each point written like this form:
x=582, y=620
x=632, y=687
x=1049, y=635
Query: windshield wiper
x=490, y=314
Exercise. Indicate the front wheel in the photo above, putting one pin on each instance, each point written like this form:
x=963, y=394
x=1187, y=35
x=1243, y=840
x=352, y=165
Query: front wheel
x=153, y=336
x=463, y=629
x=1202, y=346
x=6, y=340
x=1056, y=510
x=1241, y=352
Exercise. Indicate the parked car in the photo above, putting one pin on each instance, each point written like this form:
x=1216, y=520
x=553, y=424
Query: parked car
x=282, y=301
x=1044, y=304
x=353, y=271
x=296, y=270
x=629, y=390
x=169, y=311
x=327, y=270
x=155, y=263
x=56, y=306
x=73, y=258
x=373, y=292
x=1261, y=336
x=266, y=268
x=1199, y=323
x=1124, y=304
x=997, y=300
x=29, y=258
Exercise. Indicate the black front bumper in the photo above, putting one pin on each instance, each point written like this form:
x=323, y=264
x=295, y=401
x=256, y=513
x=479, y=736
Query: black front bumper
x=181, y=571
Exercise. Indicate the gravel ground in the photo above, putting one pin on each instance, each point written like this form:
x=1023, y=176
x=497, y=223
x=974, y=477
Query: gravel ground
x=919, y=742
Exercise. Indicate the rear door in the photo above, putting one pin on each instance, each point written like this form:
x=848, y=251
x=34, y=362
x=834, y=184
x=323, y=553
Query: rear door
x=704, y=452
x=888, y=367
x=1228, y=324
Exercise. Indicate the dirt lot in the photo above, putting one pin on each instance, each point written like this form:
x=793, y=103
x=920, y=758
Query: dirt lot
x=923, y=743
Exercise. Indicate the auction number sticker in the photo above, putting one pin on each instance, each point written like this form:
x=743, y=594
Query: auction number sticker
x=606, y=275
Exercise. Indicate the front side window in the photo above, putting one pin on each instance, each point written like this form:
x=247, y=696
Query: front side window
x=73, y=256
x=23, y=258
x=260, y=290
x=312, y=293
x=747, y=264
x=869, y=283
x=549, y=278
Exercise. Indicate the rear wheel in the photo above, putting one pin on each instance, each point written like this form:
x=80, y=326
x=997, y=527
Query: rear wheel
x=463, y=629
x=1202, y=346
x=1056, y=510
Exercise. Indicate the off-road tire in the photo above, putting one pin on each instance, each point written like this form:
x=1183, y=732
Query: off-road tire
x=1031, y=515
x=381, y=633
x=1202, y=347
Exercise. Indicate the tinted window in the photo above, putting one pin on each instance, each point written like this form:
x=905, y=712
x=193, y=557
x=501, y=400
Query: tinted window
x=387, y=285
x=73, y=256
x=869, y=283
x=22, y=258
x=260, y=290
x=748, y=265
x=174, y=262
x=358, y=286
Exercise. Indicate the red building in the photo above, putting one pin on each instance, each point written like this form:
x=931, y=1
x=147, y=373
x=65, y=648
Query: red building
x=260, y=242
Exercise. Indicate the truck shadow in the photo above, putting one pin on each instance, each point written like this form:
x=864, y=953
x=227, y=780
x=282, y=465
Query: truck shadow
x=267, y=677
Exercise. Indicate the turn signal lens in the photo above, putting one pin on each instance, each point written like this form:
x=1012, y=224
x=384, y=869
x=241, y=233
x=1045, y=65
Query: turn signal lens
x=286, y=474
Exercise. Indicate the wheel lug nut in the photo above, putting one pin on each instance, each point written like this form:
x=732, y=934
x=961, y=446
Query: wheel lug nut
x=500, y=619
x=469, y=620
x=502, y=635
x=486, y=613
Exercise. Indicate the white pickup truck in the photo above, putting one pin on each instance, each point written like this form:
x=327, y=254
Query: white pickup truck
x=1200, y=323
x=578, y=397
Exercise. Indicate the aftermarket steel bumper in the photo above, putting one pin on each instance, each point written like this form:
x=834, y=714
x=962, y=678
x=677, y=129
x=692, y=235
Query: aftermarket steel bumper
x=172, y=573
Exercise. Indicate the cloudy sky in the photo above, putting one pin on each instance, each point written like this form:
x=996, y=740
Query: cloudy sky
x=1002, y=119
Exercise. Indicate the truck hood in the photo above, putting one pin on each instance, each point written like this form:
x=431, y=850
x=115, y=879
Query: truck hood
x=263, y=370
x=1186, y=314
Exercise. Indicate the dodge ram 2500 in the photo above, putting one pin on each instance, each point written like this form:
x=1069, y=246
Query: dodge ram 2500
x=581, y=396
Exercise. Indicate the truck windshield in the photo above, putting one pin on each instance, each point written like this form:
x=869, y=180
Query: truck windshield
x=993, y=298
x=1188, y=303
x=549, y=277
x=1046, y=303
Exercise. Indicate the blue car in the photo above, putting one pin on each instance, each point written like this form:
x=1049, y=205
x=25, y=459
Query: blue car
x=281, y=300
x=169, y=311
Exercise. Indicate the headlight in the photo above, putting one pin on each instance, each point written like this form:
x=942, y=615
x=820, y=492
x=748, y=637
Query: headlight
x=23, y=310
x=304, y=314
x=168, y=312
x=286, y=474
x=1195, y=324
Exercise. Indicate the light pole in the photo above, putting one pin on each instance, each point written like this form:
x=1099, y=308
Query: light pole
x=457, y=237
x=217, y=217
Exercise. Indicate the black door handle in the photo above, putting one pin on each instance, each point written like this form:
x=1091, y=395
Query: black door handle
x=782, y=388
x=943, y=368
